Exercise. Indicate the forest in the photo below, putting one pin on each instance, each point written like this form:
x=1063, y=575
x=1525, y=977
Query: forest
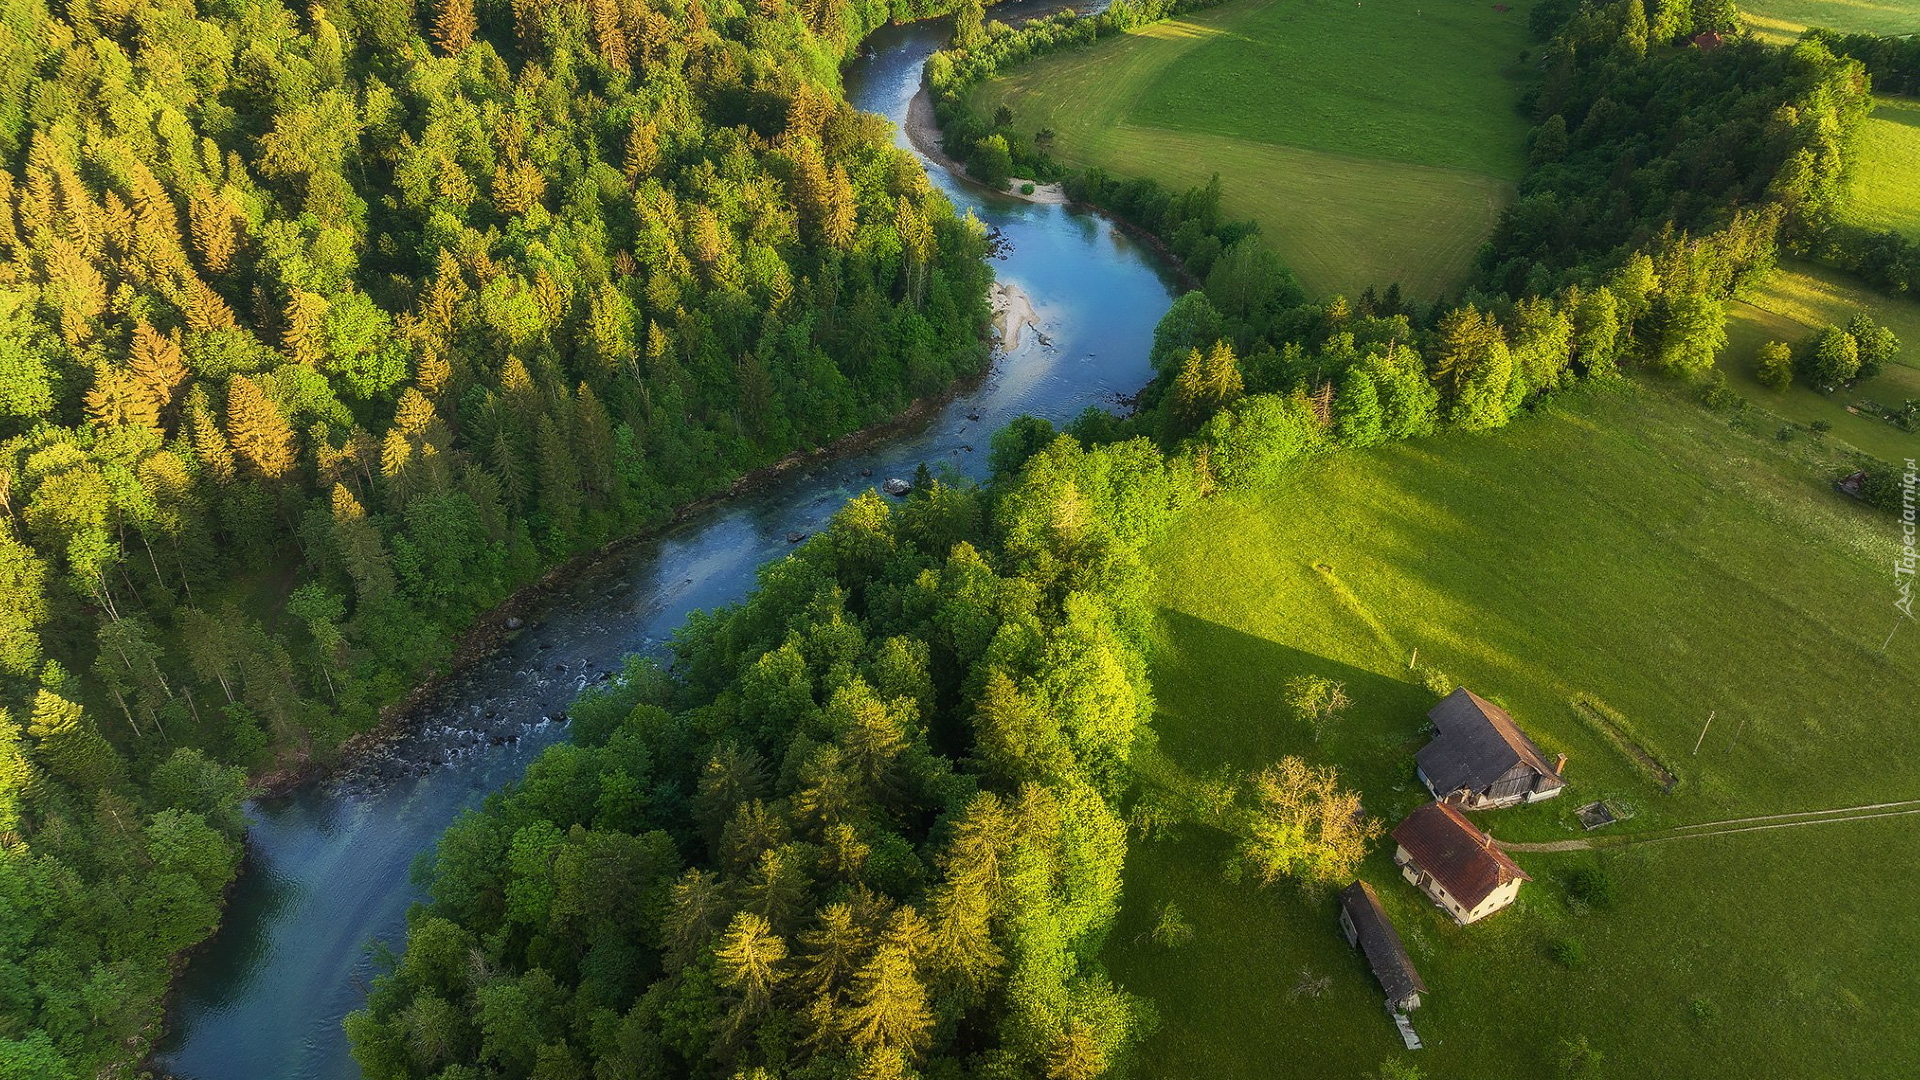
x=870, y=823
x=322, y=329
x=326, y=328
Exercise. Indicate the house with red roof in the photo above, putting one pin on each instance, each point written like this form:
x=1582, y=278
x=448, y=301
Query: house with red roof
x=1455, y=864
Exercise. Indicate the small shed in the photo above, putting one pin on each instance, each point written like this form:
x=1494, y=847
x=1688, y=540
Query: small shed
x=1369, y=930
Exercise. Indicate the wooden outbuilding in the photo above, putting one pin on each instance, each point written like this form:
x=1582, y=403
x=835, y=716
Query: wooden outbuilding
x=1481, y=759
x=1455, y=864
x=1368, y=929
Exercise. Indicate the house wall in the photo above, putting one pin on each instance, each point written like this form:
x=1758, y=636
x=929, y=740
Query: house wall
x=1496, y=900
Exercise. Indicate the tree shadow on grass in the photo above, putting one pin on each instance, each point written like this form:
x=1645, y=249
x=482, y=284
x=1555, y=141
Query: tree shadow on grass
x=1221, y=702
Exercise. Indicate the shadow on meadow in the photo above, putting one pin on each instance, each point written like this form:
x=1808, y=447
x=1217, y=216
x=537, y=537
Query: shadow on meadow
x=1210, y=679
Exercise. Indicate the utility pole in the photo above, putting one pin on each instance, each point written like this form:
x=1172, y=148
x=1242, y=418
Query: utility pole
x=1703, y=734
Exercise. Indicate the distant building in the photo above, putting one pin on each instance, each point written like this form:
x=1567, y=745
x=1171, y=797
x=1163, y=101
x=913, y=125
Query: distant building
x=1480, y=758
x=1456, y=864
x=1368, y=930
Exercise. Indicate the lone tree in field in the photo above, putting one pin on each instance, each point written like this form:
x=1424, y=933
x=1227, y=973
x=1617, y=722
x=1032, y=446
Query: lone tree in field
x=1775, y=366
x=1316, y=700
x=1299, y=824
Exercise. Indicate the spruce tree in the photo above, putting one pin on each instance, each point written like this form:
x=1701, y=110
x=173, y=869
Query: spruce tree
x=259, y=433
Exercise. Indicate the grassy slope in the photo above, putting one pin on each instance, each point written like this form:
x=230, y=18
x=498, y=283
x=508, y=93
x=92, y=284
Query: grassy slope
x=1886, y=182
x=1799, y=299
x=1370, y=146
x=1627, y=545
x=1782, y=20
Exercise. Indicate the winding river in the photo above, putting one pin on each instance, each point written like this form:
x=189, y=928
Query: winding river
x=328, y=869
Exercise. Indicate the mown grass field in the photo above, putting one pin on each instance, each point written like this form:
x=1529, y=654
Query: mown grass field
x=1799, y=299
x=1782, y=20
x=1372, y=143
x=1886, y=180
x=1627, y=545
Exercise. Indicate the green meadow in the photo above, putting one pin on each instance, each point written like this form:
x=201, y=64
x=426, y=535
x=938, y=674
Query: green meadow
x=1372, y=142
x=1621, y=544
x=1781, y=20
x=1798, y=299
x=1886, y=178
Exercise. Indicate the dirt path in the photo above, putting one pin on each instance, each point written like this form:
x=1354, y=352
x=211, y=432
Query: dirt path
x=1729, y=826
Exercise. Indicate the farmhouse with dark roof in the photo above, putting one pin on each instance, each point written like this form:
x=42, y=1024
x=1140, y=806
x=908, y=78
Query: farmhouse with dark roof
x=1368, y=930
x=1480, y=758
x=1455, y=864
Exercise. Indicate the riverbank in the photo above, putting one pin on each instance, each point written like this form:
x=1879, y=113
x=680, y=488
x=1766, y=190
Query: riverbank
x=1013, y=315
x=923, y=131
x=489, y=632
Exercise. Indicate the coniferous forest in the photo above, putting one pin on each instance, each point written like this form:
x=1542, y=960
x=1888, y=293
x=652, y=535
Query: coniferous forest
x=322, y=328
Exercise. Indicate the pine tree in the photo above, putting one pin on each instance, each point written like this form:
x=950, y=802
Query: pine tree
x=259, y=433
x=750, y=956
x=19, y=780
x=67, y=745
x=214, y=224
x=205, y=309
x=454, y=25
x=118, y=398
x=209, y=444
x=593, y=434
x=302, y=338
x=642, y=153
x=889, y=1007
x=832, y=952
x=609, y=36
x=360, y=548
x=559, y=492
x=157, y=361
x=694, y=912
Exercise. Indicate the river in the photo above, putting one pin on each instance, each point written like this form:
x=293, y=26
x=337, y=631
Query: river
x=328, y=869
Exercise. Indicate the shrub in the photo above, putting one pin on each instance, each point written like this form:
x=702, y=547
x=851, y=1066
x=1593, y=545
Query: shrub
x=1567, y=952
x=1026, y=189
x=1592, y=886
x=1576, y=1056
x=1170, y=926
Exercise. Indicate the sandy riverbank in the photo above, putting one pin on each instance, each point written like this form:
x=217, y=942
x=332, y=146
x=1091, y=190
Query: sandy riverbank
x=923, y=131
x=1013, y=316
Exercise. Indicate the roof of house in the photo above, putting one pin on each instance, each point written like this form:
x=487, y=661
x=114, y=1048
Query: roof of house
x=1441, y=841
x=1380, y=942
x=1476, y=743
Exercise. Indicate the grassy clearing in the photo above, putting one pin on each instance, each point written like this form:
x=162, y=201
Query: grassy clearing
x=1629, y=546
x=1783, y=20
x=1799, y=299
x=1886, y=182
x=1371, y=145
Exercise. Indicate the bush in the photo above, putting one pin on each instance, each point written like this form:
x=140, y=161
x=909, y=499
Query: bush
x=1026, y=189
x=1567, y=952
x=1576, y=1056
x=1592, y=886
